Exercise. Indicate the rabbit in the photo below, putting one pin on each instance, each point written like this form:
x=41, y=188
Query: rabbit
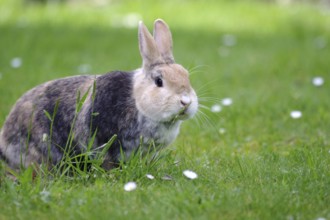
x=142, y=107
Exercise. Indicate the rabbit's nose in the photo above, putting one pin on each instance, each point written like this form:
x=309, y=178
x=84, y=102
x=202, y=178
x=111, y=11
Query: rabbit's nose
x=185, y=100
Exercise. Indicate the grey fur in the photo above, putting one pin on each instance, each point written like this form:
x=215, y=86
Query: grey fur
x=127, y=104
x=21, y=139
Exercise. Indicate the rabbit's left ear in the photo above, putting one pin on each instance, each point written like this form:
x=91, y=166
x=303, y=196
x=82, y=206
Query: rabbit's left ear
x=163, y=39
x=148, y=48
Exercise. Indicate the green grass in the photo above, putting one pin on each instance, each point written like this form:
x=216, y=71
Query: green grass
x=265, y=166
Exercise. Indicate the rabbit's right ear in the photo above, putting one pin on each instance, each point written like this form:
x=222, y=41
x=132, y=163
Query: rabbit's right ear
x=148, y=48
x=163, y=39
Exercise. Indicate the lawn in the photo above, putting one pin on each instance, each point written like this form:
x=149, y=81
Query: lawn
x=253, y=159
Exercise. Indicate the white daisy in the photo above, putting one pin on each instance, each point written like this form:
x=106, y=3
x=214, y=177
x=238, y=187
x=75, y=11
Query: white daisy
x=190, y=174
x=130, y=186
x=318, y=81
x=216, y=108
x=296, y=114
x=16, y=62
x=227, y=101
x=149, y=176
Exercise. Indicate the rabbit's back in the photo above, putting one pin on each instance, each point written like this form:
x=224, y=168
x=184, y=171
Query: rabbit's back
x=111, y=112
x=24, y=135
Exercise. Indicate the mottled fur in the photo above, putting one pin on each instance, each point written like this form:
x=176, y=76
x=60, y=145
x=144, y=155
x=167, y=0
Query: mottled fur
x=127, y=104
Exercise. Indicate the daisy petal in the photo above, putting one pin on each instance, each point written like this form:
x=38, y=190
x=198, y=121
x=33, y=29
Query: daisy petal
x=227, y=101
x=149, y=176
x=216, y=108
x=190, y=174
x=296, y=114
x=130, y=186
x=16, y=62
x=318, y=81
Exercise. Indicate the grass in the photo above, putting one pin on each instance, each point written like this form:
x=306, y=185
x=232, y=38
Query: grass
x=265, y=165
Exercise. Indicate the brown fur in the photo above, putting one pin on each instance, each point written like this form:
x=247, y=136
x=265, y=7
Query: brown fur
x=130, y=105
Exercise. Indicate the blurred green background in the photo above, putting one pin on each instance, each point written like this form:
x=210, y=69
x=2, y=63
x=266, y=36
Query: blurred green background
x=254, y=160
x=262, y=54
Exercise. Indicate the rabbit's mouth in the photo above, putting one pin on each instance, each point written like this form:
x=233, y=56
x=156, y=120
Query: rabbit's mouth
x=182, y=111
x=182, y=114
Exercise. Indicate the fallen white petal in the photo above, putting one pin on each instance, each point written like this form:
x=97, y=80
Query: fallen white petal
x=296, y=114
x=216, y=108
x=318, y=81
x=149, y=176
x=16, y=62
x=190, y=174
x=227, y=101
x=130, y=186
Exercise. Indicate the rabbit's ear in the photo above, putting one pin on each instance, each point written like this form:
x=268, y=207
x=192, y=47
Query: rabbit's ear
x=148, y=48
x=163, y=38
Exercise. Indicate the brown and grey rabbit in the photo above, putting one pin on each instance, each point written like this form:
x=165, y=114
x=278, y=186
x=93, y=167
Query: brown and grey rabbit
x=146, y=104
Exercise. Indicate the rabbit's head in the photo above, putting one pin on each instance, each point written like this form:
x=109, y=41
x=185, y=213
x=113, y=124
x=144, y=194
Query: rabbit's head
x=162, y=89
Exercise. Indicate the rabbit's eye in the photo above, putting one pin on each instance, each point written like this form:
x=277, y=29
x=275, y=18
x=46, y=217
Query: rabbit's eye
x=159, y=82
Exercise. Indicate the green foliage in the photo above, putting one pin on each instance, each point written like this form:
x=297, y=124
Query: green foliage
x=252, y=159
